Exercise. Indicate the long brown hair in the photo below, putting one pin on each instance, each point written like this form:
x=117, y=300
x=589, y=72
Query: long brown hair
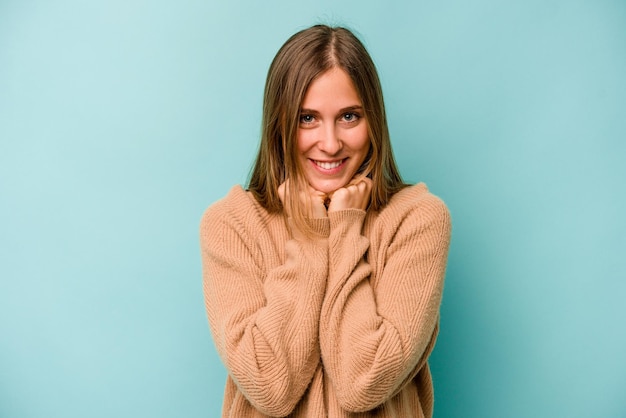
x=306, y=55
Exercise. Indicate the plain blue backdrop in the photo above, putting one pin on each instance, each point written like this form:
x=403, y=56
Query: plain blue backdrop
x=122, y=120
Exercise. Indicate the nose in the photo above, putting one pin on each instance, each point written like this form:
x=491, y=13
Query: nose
x=329, y=141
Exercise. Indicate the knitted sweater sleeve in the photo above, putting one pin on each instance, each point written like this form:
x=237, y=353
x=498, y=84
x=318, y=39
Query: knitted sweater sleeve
x=265, y=322
x=374, y=339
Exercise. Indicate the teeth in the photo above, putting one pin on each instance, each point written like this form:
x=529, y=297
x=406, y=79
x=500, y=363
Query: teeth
x=327, y=165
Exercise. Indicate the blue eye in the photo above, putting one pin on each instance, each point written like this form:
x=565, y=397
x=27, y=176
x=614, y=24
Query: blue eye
x=350, y=117
x=306, y=118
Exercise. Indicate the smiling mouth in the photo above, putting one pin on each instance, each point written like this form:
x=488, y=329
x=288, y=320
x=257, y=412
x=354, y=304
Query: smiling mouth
x=328, y=165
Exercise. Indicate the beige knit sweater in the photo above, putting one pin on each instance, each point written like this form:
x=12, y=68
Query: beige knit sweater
x=337, y=325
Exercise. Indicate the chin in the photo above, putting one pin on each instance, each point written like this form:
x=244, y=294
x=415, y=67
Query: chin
x=329, y=187
x=328, y=190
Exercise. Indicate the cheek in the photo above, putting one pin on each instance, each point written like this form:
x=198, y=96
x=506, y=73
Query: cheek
x=304, y=141
x=359, y=140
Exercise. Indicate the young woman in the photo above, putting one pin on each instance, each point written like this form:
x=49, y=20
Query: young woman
x=323, y=279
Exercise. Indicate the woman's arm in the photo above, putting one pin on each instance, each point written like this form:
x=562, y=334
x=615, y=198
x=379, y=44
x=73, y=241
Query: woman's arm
x=374, y=339
x=265, y=323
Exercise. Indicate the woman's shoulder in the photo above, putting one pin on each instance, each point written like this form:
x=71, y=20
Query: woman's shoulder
x=416, y=197
x=235, y=198
x=418, y=204
x=238, y=207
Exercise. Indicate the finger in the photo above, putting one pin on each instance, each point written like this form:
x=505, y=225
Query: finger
x=366, y=181
x=315, y=192
x=357, y=179
x=365, y=185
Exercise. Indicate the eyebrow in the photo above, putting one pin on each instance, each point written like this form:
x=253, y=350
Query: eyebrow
x=343, y=110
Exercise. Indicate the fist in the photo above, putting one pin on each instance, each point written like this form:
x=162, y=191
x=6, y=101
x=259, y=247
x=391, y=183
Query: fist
x=311, y=200
x=354, y=195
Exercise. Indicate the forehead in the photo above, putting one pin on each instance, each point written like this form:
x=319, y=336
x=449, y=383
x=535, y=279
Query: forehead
x=332, y=89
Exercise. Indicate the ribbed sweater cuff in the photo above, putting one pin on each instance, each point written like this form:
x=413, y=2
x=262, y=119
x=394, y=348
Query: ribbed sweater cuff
x=320, y=228
x=344, y=219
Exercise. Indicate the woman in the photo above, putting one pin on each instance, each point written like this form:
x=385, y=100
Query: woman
x=323, y=279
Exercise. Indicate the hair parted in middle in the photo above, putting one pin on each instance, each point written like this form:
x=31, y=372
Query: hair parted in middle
x=305, y=56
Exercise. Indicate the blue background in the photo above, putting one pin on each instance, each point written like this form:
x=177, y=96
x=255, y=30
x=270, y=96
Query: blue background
x=121, y=121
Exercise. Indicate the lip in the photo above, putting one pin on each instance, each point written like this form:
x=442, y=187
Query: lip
x=329, y=171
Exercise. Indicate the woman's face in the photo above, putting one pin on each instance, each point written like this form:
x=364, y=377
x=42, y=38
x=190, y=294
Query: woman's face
x=332, y=134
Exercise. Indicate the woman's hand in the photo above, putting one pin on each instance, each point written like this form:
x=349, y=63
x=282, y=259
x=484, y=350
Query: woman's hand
x=313, y=209
x=354, y=195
